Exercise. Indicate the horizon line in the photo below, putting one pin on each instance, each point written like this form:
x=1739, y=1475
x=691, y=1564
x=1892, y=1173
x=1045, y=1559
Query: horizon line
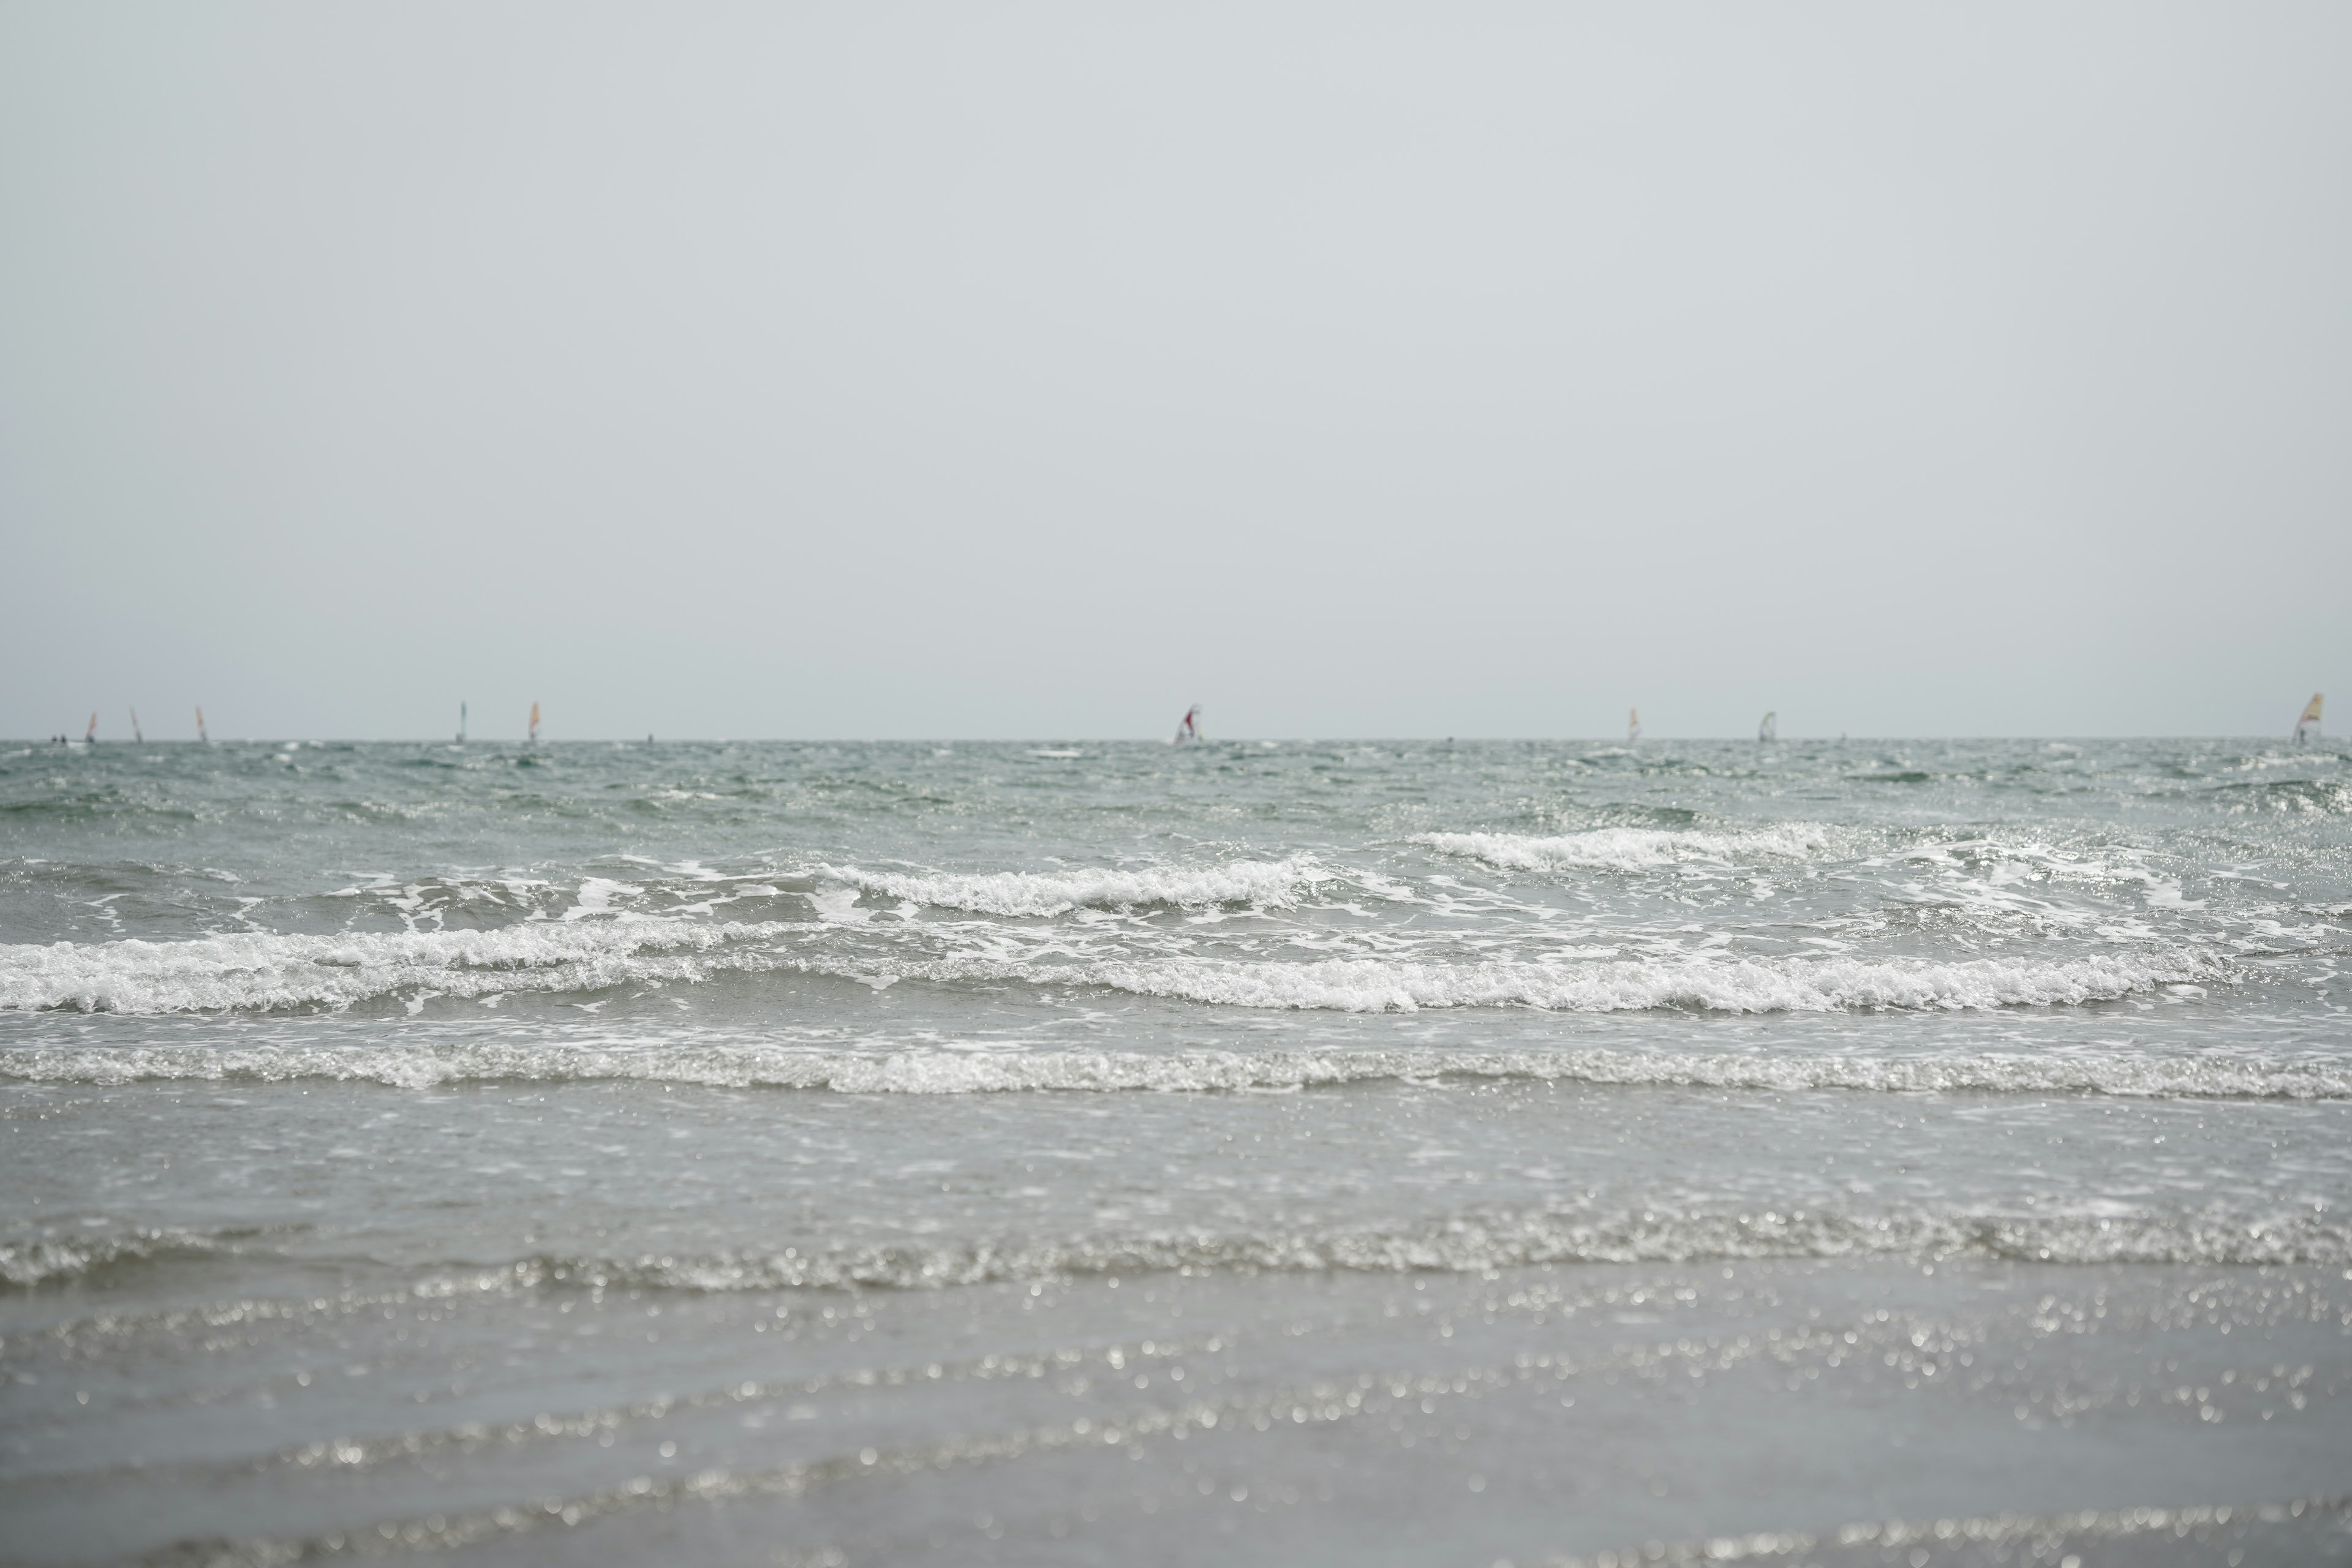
x=70, y=741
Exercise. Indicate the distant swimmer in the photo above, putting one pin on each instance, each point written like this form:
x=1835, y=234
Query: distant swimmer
x=1190, y=730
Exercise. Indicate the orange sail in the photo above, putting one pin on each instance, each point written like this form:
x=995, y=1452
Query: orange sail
x=2308, y=727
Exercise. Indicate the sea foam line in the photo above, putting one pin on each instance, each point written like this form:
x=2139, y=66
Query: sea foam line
x=930, y=1071
x=1627, y=849
x=1275, y=884
x=1471, y=1244
x=257, y=970
x=260, y=971
x=1481, y=1243
x=1826, y=985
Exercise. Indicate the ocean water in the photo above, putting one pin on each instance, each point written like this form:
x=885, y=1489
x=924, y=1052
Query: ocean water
x=1420, y=1153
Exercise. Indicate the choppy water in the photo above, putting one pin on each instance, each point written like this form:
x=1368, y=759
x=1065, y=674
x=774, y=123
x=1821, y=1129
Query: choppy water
x=1421, y=1152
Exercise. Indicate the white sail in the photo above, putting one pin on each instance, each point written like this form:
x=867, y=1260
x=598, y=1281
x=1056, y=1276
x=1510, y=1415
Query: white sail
x=2308, y=727
x=1769, y=730
x=90, y=736
x=1632, y=725
x=136, y=737
x=200, y=736
x=1189, y=729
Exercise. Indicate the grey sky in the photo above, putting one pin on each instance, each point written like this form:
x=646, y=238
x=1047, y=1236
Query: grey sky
x=1022, y=370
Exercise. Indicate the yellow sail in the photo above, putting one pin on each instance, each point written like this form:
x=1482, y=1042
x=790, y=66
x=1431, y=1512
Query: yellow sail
x=2308, y=725
x=1632, y=724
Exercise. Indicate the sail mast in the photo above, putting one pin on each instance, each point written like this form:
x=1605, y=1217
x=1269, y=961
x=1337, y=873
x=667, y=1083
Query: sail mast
x=2308, y=727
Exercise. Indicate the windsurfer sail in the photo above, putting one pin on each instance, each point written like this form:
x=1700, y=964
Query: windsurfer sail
x=1770, y=729
x=1632, y=725
x=1190, y=730
x=2308, y=727
x=534, y=724
x=200, y=736
x=461, y=723
x=136, y=737
x=90, y=736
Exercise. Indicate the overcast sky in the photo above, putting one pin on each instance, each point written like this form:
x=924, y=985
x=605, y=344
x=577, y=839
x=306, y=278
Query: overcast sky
x=955, y=370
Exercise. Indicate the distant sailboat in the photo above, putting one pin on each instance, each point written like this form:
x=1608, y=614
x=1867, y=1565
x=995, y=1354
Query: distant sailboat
x=200, y=736
x=90, y=736
x=2308, y=727
x=136, y=737
x=1632, y=725
x=1190, y=730
x=1770, y=729
x=534, y=724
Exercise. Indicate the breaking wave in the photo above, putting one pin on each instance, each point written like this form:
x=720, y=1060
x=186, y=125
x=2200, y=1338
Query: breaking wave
x=264, y=970
x=1470, y=1245
x=28, y=1262
x=1275, y=884
x=251, y=972
x=1628, y=848
x=1732, y=986
x=931, y=1071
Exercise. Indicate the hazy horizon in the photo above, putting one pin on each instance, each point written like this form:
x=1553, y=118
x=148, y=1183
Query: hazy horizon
x=1649, y=736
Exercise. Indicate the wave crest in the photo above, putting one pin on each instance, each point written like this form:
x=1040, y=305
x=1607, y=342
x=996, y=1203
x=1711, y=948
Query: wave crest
x=1475, y=1245
x=263, y=970
x=951, y=1072
x=1266, y=884
x=1628, y=848
x=1730, y=985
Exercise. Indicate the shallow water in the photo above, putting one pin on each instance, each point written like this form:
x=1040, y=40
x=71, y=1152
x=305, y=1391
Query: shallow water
x=1421, y=1152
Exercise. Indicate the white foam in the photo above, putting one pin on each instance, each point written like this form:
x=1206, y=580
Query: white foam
x=931, y=1071
x=1716, y=984
x=1274, y=884
x=1629, y=848
x=1481, y=1243
x=264, y=970
x=254, y=971
x=1474, y=1244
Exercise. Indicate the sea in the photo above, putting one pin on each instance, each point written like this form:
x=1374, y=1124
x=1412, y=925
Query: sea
x=1242, y=1152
